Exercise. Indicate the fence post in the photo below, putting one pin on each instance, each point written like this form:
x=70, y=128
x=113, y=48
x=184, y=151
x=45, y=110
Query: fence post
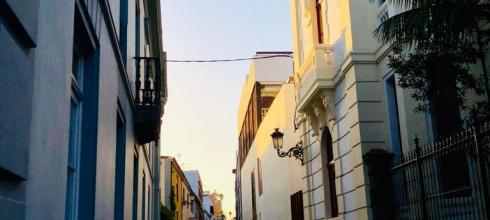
x=380, y=184
x=482, y=173
x=420, y=179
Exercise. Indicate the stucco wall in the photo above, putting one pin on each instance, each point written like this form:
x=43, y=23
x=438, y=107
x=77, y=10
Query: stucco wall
x=359, y=69
x=276, y=69
x=37, y=122
x=281, y=176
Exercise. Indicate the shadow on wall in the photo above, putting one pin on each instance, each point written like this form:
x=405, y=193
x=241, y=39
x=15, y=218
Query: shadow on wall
x=339, y=51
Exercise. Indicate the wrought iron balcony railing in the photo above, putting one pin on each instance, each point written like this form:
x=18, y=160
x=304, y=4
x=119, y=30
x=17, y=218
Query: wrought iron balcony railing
x=148, y=82
x=148, y=102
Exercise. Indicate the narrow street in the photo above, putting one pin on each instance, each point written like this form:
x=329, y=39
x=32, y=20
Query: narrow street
x=244, y=110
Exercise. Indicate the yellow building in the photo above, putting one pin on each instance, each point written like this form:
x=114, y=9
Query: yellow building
x=176, y=187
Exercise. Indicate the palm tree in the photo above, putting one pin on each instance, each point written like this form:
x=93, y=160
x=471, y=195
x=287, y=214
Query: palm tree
x=459, y=23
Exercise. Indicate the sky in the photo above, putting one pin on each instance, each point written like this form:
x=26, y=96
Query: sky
x=200, y=119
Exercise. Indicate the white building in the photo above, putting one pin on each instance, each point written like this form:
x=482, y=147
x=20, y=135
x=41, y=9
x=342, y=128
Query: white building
x=348, y=103
x=343, y=85
x=267, y=184
x=195, y=182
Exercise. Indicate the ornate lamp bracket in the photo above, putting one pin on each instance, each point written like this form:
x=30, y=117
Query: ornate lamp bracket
x=296, y=152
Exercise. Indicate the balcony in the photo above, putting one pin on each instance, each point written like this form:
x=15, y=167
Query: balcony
x=315, y=73
x=148, y=101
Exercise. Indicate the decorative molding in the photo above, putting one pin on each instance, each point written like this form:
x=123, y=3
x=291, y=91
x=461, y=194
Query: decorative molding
x=312, y=118
x=328, y=100
x=320, y=110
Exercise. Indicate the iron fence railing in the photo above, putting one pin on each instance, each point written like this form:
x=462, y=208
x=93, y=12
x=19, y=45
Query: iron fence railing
x=445, y=180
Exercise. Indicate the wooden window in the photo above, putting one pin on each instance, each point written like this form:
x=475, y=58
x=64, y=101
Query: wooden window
x=319, y=22
x=259, y=171
x=297, y=206
x=254, y=202
x=177, y=191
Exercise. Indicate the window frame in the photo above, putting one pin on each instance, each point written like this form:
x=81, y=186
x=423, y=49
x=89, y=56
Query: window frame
x=75, y=132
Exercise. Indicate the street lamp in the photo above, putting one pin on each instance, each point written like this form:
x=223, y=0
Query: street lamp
x=296, y=151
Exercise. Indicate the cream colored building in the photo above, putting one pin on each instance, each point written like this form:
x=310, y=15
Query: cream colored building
x=266, y=181
x=347, y=101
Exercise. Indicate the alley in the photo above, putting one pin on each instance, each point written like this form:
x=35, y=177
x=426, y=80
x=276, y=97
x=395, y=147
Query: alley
x=244, y=110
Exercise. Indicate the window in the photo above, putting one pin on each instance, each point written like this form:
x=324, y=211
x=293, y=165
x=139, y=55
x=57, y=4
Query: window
x=297, y=206
x=319, y=21
x=120, y=168
x=135, y=187
x=183, y=194
x=328, y=167
x=264, y=112
x=137, y=29
x=259, y=171
x=393, y=118
x=192, y=207
x=123, y=29
x=143, y=203
x=254, y=202
x=148, y=207
x=74, y=142
x=147, y=30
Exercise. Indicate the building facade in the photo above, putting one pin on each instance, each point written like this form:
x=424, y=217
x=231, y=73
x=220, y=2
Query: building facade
x=207, y=205
x=341, y=77
x=265, y=182
x=177, y=190
x=348, y=104
x=216, y=208
x=195, y=182
x=84, y=88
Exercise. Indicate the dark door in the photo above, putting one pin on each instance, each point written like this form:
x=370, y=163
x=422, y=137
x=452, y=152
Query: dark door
x=254, y=202
x=297, y=206
x=328, y=165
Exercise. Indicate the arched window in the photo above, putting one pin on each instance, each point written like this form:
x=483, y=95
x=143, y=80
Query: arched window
x=328, y=165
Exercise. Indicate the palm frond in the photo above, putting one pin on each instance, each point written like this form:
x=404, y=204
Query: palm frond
x=404, y=28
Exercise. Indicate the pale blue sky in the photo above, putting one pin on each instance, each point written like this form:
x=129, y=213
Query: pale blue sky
x=201, y=113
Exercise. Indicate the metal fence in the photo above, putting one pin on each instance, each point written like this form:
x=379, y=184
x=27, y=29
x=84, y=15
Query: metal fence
x=446, y=180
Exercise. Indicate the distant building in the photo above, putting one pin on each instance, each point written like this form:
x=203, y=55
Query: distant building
x=262, y=84
x=268, y=184
x=207, y=205
x=194, y=180
x=216, y=208
x=188, y=205
x=83, y=89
